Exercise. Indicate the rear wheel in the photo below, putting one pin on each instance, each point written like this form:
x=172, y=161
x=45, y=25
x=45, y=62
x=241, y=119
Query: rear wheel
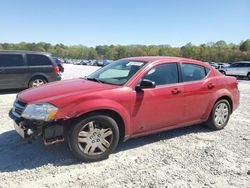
x=223, y=72
x=220, y=115
x=38, y=81
x=94, y=138
x=248, y=76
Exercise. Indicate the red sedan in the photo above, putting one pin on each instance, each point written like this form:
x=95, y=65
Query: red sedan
x=128, y=98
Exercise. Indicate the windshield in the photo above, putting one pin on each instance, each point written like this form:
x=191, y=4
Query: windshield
x=117, y=73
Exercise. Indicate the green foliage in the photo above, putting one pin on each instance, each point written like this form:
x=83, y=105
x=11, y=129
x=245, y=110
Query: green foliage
x=245, y=46
x=219, y=51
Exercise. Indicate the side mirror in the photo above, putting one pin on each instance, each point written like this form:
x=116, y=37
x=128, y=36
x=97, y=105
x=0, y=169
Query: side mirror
x=145, y=84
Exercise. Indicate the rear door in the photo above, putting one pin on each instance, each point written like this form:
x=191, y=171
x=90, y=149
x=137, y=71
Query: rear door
x=233, y=69
x=197, y=90
x=247, y=70
x=13, y=71
x=39, y=64
x=244, y=69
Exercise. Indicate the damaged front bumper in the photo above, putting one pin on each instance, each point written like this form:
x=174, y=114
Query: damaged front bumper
x=51, y=132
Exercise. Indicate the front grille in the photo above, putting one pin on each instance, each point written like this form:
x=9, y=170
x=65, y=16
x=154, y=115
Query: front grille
x=18, y=107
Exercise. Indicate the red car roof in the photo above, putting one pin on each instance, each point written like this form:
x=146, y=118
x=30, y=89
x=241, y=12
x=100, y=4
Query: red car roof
x=167, y=58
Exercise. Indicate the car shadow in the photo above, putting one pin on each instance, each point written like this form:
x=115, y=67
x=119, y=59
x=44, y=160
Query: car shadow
x=10, y=91
x=17, y=154
x=166, y=135
x=242, y=78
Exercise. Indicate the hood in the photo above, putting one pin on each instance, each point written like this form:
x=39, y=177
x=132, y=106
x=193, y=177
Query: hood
x=62, y=89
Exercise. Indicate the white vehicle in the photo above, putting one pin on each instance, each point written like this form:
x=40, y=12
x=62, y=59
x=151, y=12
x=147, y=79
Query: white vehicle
x=241, y=68
x=222, y=66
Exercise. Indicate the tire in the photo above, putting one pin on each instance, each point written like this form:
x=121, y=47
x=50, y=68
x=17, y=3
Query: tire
x=221, y=110
x=93, y=138
x=248, y=76
x=223, y=72
x=37, y=81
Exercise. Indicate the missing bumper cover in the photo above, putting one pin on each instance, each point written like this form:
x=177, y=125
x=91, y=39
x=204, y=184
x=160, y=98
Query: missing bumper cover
x=51, y=132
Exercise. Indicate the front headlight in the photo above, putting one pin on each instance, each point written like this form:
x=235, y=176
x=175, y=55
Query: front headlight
x=42, y=111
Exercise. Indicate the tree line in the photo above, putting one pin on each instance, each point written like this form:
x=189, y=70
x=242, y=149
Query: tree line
x=218, y=51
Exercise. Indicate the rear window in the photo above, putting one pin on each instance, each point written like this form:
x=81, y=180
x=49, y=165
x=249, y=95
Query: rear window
x=192, y=72
x=247, y=65
x=11, y=60
x=36, y=59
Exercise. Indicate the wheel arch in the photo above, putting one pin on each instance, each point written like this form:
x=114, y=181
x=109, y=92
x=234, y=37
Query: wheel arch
x=221, y=94
x=228, y=98
x=111, y=113
x=108, y=112
x=38, y=75
x=222, y=71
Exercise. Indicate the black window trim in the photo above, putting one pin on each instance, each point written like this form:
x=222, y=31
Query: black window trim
x=207, y=73
x=165, y=85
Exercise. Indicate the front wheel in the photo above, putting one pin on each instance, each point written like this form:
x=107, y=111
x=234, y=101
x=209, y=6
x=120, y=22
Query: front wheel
x=220, y=114
x=94, y=138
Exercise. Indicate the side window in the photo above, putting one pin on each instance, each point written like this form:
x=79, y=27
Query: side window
x=240, y=65
x=192, y=72
x=208, y=70
x=235, y=65
x=246, y=64
x=36, y=59
x=163, y=74
x=11, y=60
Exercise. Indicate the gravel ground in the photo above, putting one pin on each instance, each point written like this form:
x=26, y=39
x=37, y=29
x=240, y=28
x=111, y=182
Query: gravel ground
x=188, y=157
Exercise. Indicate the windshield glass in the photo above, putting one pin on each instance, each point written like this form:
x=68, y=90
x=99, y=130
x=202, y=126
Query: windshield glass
x=117, y=73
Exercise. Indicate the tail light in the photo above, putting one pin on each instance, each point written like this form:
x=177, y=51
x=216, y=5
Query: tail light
x=56, y=70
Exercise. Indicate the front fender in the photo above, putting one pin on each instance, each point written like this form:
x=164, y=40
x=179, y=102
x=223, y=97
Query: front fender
x=79, y=109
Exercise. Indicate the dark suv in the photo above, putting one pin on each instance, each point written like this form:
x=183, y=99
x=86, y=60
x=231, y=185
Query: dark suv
x=23, y=69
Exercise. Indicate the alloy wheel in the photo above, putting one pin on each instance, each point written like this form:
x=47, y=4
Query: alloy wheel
x=37, y=82
x=94, y=138
x=221, y=114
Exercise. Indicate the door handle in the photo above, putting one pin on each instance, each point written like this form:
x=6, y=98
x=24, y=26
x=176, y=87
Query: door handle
x=210, y=86
x=176, y=91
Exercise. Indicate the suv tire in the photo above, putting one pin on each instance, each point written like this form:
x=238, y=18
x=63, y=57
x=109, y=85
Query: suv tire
x=37, y=81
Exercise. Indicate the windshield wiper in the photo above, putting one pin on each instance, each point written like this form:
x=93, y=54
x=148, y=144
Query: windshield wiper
x=94, y=79
x=98, y=80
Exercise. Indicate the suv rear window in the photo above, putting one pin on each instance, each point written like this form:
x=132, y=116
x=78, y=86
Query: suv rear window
x=11, y=60
x=192, y=72
x=247, y=65
x=36, y=59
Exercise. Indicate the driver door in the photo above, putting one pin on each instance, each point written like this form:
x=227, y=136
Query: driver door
x=162, y=106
